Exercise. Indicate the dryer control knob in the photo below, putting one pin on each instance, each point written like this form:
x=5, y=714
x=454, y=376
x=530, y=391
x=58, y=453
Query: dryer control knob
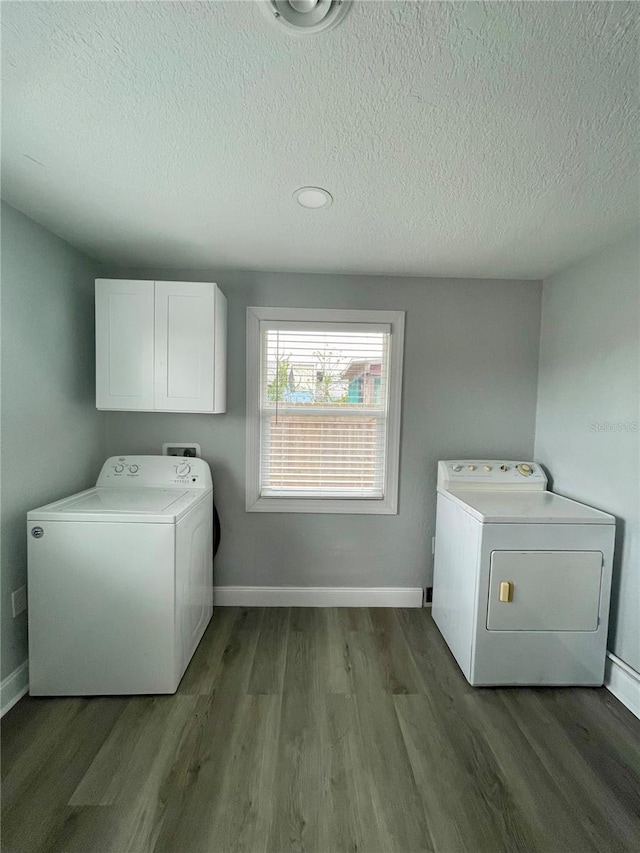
x=183, y=470
x=457, y=468
x=118, y=469
x=472, y=467
x=133, y=468
x=525, y=469
x=487, y=467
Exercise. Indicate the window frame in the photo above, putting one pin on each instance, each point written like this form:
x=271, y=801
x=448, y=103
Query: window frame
x=388, y=505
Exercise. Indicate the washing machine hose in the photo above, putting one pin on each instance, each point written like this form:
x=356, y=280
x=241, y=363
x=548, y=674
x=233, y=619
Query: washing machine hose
x=216, y=530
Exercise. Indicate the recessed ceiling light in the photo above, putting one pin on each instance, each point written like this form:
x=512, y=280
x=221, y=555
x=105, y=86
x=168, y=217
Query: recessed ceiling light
x=305, y=17
x=313, y=197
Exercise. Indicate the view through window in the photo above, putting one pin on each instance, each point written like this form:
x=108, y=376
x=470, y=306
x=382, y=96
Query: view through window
x=324, y=403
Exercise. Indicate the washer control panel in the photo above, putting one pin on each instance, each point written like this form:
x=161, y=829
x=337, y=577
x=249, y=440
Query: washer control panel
x=491, y=474
x=155, y=471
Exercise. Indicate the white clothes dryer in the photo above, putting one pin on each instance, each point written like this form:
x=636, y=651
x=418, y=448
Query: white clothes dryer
x=522, y=576
x=120, y=579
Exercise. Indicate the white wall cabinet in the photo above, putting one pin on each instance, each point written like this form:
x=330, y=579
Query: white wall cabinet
x=160, y=346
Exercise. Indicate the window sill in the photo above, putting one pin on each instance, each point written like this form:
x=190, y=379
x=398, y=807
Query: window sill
x=335, y=506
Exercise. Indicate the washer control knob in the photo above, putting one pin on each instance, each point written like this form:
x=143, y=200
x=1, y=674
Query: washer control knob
x=133, y=468
x=487, y=467
x=525, y=469
x=504, y=467
x=457, y=468
x=118, y=469
x=472, y=467
x=183, y=469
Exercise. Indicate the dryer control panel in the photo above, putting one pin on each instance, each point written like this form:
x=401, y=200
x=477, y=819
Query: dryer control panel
x=163, y=472
x=490, y=474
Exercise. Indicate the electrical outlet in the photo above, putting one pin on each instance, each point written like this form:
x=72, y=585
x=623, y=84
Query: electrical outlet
x=19, y=601
x=181, y=448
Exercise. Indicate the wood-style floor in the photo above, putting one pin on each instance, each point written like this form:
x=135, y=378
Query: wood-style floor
x=317, y=731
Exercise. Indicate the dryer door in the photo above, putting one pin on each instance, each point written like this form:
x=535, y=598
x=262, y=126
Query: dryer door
x=544, y=590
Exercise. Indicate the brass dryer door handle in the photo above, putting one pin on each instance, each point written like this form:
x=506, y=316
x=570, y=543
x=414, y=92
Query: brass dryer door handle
x=506, y=591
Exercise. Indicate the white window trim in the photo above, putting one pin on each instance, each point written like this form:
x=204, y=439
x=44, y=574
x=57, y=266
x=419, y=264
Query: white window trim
x=362, y=506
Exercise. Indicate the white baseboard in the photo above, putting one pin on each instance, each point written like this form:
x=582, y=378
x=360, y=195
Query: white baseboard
x=14, y=687
x=319, y=596
x=623, y=682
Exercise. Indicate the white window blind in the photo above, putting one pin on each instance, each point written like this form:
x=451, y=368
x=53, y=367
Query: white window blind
x=323, y=409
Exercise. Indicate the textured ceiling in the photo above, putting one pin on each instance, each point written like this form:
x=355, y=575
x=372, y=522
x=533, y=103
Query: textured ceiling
x=458, y=139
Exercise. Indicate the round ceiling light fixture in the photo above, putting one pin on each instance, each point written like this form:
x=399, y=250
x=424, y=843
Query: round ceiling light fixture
x=307, y=17
x=313, y=198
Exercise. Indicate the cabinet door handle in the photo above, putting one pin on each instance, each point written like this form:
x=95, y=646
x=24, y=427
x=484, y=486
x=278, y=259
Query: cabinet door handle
x=506, y=591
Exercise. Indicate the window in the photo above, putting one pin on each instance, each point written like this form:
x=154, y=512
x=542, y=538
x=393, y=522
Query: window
x=323, y=410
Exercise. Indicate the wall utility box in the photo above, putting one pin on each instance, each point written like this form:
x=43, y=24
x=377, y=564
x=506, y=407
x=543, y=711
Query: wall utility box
x=181, y=448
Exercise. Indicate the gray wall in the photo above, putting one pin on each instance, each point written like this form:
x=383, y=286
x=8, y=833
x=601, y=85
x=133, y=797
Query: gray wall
x=470, y=378
x=588, y=409
x=53, y=438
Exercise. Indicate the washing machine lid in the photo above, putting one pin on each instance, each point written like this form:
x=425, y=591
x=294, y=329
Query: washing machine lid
x=147, y=505
x=526, y=508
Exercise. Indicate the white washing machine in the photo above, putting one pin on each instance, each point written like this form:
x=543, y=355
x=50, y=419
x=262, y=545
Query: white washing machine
x=522, y=576
x=120, y=584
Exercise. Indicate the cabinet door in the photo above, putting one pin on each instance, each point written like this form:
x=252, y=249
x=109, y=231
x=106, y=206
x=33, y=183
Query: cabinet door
x=184, y=346
x=124, y=344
